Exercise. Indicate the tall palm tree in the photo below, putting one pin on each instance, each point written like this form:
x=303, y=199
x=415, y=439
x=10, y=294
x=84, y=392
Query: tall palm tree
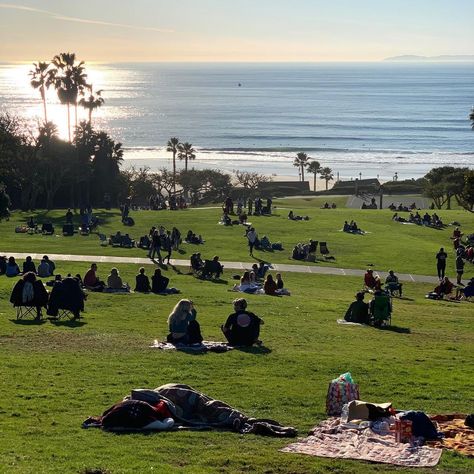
x=41, y=78
x=94, y=101
x=327, y=175
x=301, y=162
x=173, y=147
x=186, y=152
x=314, y=167
x=69, y=81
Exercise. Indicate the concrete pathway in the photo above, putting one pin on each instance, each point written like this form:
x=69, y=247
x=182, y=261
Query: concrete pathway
x=278, y=267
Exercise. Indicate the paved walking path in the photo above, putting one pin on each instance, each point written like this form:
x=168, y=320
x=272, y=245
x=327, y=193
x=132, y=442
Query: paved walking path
x=279, y=267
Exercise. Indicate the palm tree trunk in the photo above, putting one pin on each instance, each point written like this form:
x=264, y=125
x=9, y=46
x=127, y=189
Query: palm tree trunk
x=174, y=172
x=90, y=117
x=75, y=114
x=302, y=173
x=186, y=163
x=327, y=181
x=69, y=122
x=43, y=96
x=314, y=183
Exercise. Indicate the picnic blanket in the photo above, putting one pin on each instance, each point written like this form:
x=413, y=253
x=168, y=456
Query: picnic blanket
x=189, y=407
x=458, y=436
x=204, y=346
x=349, y=323
x=329, y=439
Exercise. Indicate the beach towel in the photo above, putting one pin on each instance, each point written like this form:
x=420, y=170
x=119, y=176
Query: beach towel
x=330, y=440
x=349, y=323
x=457, y=436
x=204, y=346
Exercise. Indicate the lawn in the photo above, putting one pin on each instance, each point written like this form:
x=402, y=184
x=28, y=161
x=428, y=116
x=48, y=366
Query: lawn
x=55, y=375
x=388, y=244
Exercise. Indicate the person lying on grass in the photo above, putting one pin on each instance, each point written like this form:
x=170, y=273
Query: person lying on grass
x=358, y=311
x=183, y=327
x=242, y=327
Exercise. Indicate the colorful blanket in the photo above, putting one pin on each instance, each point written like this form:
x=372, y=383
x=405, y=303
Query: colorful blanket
x=330, y=440
x=189, y=407
x=205, y=346
x=458, y=436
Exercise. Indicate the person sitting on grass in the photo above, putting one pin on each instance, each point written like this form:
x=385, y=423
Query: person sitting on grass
x=369, y=280
x=225, y=219
x=183, y=326
x=159, y=283
x=358, y=311
x=30, y=292
x=270, y=286
x=242, y=327
x=392, y=283
x=445, y=288
x=279, y=282
x=142, y=282
x=115, y=283
x=29, y=265
x=265, y=243
x=380, y=308
x=212, y=268
x=457, y=234
x=52, y=265
x=12, y=269
x=467, y=291
x=91, y=280
x=196, y=262
x=3, y=264
x=44, y=270
x=67, y=294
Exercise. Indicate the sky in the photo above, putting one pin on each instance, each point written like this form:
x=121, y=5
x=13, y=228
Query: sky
x=234, y=30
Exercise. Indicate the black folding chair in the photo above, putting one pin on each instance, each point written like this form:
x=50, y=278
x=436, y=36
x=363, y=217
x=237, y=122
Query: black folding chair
x=24, y=312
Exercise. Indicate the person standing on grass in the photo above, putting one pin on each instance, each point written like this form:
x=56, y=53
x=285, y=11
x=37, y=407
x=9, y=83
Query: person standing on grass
x=167, y=245
x=252, y=237
x=459, y=269
x=441, y=257
x=155, y=245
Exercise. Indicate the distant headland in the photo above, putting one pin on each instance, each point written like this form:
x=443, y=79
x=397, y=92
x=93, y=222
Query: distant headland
x=441, y=58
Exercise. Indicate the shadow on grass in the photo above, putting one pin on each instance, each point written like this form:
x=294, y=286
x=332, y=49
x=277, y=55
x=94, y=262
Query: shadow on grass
x=256, y=350
x=68, y=323
x=28, y=322
x=396, y=329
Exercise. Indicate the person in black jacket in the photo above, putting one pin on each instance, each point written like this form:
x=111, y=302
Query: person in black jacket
x=68, y=295
x=142, y=284
x=159, y=283
x=242, y=327
x=30, y=292
x=29, y=265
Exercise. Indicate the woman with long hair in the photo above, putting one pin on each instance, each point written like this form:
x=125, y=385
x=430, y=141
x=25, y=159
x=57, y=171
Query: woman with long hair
x=183, y=327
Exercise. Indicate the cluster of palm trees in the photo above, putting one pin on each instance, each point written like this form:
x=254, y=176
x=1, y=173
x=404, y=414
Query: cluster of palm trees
x=303, y=161
x=69, y=79
x=184, y=151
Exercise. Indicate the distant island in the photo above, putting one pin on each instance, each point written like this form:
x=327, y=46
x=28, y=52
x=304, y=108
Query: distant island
x=444, y=57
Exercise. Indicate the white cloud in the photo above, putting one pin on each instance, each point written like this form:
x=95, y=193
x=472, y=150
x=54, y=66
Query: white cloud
x=60, y=17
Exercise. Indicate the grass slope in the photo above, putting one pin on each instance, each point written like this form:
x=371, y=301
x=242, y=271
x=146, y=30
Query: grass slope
x=54, y=375
x=405, y=248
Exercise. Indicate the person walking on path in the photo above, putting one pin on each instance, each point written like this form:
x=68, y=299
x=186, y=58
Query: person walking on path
x=155, y=246
x=252, y=237
x=441, y=257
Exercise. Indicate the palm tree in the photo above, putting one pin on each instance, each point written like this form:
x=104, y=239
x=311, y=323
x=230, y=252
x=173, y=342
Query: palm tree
x=326, y=174
x=173, y=147
x=186, y=152
x=301, y=162
x=41, y=78
x=471, y=117
x=69, y=81
x=314, y=167
x=92, y=102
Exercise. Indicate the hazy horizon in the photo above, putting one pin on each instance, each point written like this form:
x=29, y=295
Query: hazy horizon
x=224, y=31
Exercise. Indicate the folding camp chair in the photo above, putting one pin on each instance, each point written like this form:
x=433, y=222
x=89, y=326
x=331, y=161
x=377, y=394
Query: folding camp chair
x=24, y=312
x=381, y=310
x=64, y=314
x=68, y=230
x=47, y=228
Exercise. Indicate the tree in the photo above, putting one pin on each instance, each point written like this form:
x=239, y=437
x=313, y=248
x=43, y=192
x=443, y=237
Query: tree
x=301, y=162
x=326, y=174
x=466, y=197
x=4, y=203
x=186, y=152
x=70, y=80
x=471, y=118
x=42, y=77
x=442, y=183
x=314, y=167
x=250, y=181
x=173, y=147
x=92, y=102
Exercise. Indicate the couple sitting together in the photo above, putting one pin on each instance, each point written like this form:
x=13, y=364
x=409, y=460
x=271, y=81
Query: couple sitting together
x=377, y=312
x=159, y=283
x=249, y=284
x=242, y=327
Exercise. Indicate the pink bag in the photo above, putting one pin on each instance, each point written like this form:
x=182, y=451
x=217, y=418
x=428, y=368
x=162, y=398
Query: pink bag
x=341, y=391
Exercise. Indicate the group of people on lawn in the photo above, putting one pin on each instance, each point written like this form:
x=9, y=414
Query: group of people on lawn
x=242, y=327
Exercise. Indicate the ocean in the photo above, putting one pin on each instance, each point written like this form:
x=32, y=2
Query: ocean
x=370, y=118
